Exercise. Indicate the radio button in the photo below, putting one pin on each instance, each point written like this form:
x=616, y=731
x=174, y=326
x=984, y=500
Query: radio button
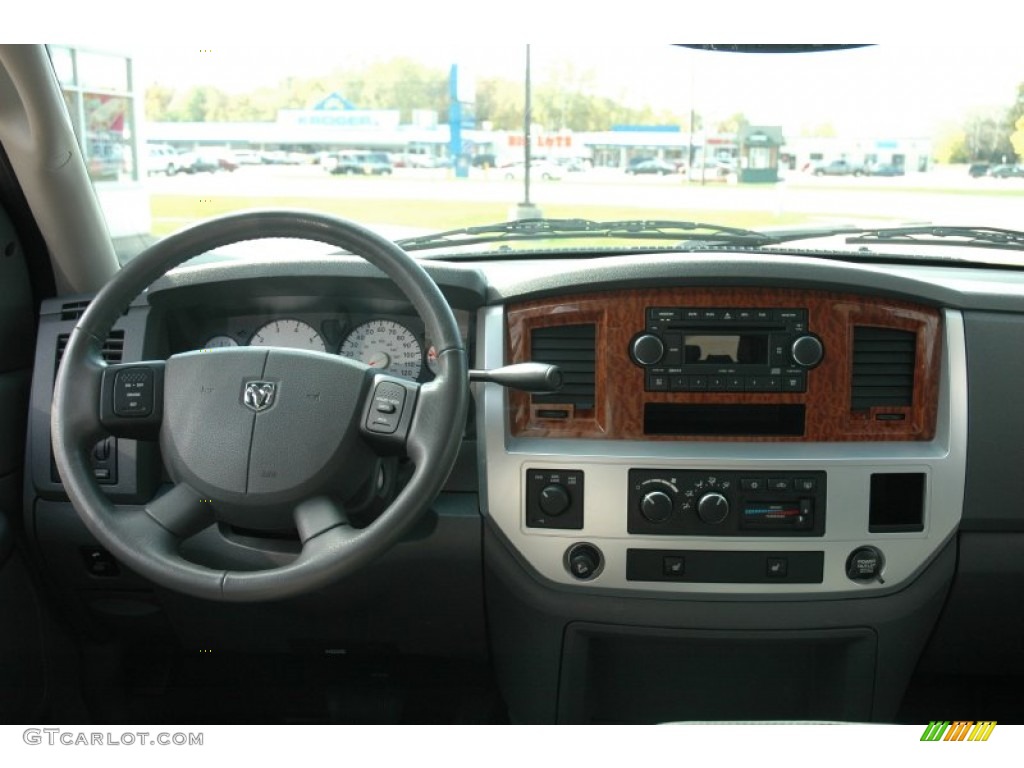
x=772, y=384
x=698, y=383
x=794, y=383
x=673, y=349
x=660, y=314
x=763, y=315
x=657, y=383
x=692, y=314
x=679, y=383
x=735, y=383
x=716, y=383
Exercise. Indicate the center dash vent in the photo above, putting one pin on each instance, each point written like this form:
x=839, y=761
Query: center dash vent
x=883, y=368
x=72, y=310
x=571, y=348
x=113, y=347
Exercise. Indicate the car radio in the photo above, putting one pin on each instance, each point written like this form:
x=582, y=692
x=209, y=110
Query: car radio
x=726, y=350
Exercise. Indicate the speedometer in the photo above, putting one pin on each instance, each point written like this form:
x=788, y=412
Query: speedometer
x=386, y=345
x=293, y=334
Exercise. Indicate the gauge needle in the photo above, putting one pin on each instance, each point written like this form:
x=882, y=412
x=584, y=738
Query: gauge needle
x=379, y=360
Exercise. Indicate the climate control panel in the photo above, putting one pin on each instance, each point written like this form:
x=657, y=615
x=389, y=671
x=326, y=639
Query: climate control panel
x=711, y=503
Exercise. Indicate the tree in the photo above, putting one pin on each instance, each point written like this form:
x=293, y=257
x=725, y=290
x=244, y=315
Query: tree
x=733, y=124
x=1017, y=137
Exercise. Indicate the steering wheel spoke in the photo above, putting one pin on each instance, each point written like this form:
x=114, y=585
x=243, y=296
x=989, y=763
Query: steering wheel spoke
x=131, y=399
x=181, y=511
x=317, y=515
x=388, y=412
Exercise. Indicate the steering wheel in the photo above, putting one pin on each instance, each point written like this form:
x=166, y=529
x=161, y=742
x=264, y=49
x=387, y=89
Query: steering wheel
x=258, y=437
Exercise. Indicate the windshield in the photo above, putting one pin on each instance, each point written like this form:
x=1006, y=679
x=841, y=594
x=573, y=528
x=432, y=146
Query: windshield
x=419, y=140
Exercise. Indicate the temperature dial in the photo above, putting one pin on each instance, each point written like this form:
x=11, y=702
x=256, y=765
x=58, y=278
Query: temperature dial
x=656, y=506
x=713, y=508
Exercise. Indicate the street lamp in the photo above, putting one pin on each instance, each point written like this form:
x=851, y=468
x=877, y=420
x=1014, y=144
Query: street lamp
x=526, y=209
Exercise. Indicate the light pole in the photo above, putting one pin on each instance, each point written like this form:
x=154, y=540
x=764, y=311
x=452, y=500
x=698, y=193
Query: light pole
x=526, y=209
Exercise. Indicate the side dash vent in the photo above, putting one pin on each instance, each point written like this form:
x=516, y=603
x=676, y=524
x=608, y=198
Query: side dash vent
x=72, y=310
x=113, y=347
x=883, y=368
x=571, y=348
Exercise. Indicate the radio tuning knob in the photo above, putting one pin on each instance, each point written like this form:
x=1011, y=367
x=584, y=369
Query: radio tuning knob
x=647, y=349
x=713, y=508
x=807, y=351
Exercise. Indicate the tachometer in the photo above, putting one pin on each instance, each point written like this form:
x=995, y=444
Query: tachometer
x=293, y=334
x=386, y=345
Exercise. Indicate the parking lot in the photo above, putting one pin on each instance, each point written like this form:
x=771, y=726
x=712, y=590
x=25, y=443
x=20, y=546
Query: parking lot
x=945, y=195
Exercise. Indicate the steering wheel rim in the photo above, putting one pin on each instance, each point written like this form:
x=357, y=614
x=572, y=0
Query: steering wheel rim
x=148, y=541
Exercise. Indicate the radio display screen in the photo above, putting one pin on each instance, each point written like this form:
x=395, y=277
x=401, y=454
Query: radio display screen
x=726, y=348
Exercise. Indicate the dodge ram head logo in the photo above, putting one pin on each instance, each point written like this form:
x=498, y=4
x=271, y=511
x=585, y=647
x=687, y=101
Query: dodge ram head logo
x=258, y=395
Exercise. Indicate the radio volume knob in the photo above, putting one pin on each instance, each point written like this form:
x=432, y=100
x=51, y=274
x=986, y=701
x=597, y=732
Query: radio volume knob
x=713, y=508
x=807, y=351
x=647, y=349
x=656, y=506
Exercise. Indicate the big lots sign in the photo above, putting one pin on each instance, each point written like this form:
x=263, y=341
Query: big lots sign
x=542, y=141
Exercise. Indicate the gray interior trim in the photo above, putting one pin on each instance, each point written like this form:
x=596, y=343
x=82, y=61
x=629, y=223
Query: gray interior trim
x=606, y=464
x=37, y=134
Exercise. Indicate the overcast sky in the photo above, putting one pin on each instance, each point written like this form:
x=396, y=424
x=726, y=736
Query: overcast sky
x=884, y=90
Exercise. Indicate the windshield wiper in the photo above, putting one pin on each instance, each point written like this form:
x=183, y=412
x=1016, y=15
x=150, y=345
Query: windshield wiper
x=562, y=229
x=921, y=234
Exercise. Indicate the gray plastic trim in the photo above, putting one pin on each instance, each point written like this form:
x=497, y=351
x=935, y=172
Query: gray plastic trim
x=505, y=461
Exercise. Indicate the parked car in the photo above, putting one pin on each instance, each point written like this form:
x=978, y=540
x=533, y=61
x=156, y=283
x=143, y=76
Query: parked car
x=539, y=169
x=884, y=169
x=839, y=168
x=977, y=170
x=484, y=160
x=247, y=157
x=206, y=161
x=163, y=158
x=359, y=163
x=651, y=167
x=1006, y=171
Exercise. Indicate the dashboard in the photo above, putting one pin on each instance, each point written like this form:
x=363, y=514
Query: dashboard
x=752, y=462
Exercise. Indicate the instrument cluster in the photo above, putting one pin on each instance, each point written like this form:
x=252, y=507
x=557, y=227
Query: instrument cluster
x=396, y=344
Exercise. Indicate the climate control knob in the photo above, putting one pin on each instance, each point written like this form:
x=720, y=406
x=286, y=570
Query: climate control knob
x=647, y=349
x=807, y=351
x=656, y=506
x=713, y=508
x=554, y=499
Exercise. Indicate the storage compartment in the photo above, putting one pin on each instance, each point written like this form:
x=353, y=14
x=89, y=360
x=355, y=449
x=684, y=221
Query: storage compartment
x=723, y=420
x=897, y=502
x=652, y=675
